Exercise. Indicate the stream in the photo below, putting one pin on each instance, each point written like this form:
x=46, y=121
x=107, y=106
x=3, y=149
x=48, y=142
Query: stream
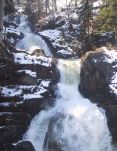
x=30, y=39
x=74, y=123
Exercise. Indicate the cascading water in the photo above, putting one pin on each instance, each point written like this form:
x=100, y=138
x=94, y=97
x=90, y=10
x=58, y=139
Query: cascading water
x=30, y=39
x=74, y=123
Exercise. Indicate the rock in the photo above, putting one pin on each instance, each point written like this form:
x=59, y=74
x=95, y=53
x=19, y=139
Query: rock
x=25, y=146
x=8, y=147
x=111, y=113
x=12, y=33
x=10, y=118
x=27, y=85
x=33, y=106
x=10, y=134
x=98, y=82
x=12, y=127
x=102, y=39
x=98, y=74
x=37, y=51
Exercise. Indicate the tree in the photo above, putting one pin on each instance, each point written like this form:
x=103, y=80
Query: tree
x=2, y=2
x=85, y=17
x=107, y=19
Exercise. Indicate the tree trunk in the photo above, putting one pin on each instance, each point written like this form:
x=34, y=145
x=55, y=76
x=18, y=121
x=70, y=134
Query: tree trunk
x=2, y=3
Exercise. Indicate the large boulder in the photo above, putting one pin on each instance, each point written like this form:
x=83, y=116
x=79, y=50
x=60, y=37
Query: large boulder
x=98, y=82
x=11, y=134
x=98, y=76
x=13, y=126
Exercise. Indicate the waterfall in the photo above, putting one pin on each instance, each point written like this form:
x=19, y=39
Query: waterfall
x=74, y=123
x=30, y=39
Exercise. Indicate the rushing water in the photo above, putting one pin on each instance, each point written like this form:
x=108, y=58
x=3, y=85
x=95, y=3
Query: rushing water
x=30, y=39
x=74, y=123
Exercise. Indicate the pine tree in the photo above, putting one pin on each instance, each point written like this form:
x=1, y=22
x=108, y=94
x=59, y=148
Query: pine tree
x=85, y=17
x=107, y=19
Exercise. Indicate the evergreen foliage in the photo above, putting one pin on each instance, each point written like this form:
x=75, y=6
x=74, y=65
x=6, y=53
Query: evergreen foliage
x=107, y=19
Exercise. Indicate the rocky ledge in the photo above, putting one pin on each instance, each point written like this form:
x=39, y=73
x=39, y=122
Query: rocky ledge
x=27, y=86
x=98, y=82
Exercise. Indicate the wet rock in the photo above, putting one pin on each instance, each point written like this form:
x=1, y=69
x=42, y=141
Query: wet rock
x=12, y=126
x=10, y=118
x=10, y=134
x=33, y=106
x=25, y=146
x=7, y=147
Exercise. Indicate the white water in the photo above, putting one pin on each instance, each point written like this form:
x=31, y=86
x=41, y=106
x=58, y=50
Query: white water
x=83, y=126
x=30, y=39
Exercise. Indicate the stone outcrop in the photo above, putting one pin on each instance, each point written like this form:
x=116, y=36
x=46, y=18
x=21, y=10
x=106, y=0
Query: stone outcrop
x=98, y=82
x=26, y=87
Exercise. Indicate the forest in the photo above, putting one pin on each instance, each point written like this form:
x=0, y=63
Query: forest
x=58, y=75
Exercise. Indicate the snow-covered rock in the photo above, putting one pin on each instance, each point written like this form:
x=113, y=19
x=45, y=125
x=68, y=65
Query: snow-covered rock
x=57, y=40
x=98, y=74
x=23, y=58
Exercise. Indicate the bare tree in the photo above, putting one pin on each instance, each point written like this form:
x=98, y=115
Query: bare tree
x=2, y=2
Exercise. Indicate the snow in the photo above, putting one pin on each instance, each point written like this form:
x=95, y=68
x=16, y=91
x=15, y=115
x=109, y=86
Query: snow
x=30, y=96
x=98, y=3
x=65, y=52
x=57, y=40
x=110, y=58
x=23, y=58
x=111, y=55
x=33, y=91
x=33, y=48
x=45, y=83
x=113, y=84
x=52, y=34
x=28, y=72
x=10, y=92
x=12, y=31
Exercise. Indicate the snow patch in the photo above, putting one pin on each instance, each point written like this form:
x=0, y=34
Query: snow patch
x=111, y=55
x=51, y=34
x=28, y=72
x=32, y=91
x=23, y=58
x=113, y=84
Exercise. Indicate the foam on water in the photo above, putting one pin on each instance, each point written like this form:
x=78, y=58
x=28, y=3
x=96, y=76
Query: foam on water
x=82, y=126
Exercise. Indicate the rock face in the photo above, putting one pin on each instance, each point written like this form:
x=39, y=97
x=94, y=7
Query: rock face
x=10, y=28
x=26, y=87
x=98, y=82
